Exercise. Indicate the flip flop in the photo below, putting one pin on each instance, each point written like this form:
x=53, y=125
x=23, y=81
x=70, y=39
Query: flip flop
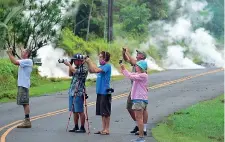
x=99, y=132
x=104, y=133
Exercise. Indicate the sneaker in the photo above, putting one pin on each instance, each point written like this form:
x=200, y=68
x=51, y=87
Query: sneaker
x=140, y=139
x=135, y=129
x=82, y=130
x=26, y=124
x=145, y=133
x=74, y=129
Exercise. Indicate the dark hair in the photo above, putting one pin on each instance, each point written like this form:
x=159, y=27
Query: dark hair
x=105, y=55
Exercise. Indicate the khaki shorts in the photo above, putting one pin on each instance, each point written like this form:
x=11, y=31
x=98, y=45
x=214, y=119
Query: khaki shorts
x=140, y=105
x=129, y=102
x=22, y=96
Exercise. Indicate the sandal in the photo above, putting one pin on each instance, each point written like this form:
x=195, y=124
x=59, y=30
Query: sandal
x=104, y=133
x=99, y=132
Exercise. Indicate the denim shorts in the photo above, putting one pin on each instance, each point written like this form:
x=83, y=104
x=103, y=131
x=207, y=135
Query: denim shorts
x=76, y=105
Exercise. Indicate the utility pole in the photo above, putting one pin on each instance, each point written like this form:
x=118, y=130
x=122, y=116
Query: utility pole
x=89, y=20
x=110, y=21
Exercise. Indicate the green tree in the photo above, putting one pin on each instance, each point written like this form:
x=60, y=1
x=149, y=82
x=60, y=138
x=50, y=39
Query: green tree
x=159, y=8
x=135, y=18
x=36, y=26
x=78, y=22
x=8, y=10
x=216, y=25
x=73, y=44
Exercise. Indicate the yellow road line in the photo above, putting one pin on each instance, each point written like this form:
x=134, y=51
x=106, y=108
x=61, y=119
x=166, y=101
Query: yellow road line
x=16, y=123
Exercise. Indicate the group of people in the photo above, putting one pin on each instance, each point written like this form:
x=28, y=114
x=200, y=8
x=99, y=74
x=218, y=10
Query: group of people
x=137, y=100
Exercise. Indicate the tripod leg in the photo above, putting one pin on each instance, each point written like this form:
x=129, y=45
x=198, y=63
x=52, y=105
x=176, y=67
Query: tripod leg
x=86, y=114
x=71, y=111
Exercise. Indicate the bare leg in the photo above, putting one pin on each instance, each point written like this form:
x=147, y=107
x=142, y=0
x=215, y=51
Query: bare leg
x=139, y=118
x=103, y=124
x=26, y=109
x=75, y=118
x=145, y=119
x=107, y=124
x=145, y=116
x=132, y=114
x=82, y=118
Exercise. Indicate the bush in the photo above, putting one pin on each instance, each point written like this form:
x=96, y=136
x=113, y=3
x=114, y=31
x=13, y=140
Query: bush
x=8, y=73
x=8, y=79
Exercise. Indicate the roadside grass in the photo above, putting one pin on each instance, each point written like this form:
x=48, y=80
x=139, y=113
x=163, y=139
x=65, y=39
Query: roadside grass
x=203, y=122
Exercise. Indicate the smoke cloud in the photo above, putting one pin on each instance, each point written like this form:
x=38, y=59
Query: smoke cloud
x=52, y=68
x=179, y=41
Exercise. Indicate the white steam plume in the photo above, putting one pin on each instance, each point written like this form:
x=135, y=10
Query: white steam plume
x=180, y=41
x=50, y=66
x=176, y=60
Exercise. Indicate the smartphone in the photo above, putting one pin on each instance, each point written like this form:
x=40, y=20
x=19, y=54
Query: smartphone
x=120, y=61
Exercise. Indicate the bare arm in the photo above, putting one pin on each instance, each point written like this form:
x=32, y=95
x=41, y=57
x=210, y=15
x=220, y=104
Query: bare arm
x=125, y=57
x=130, y=60
x=71, y=69
x=12, y=58
x=92, y=67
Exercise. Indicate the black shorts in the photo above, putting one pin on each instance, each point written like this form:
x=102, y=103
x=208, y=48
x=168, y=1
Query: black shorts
x=103, y=105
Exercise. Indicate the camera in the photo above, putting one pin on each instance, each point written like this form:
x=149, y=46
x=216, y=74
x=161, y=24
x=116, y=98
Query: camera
x=75, y=57
x=120, y=61
x=62, y=60
x=110, y=90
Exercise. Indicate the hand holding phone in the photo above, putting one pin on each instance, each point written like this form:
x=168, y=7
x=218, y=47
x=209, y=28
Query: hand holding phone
x=120, y=61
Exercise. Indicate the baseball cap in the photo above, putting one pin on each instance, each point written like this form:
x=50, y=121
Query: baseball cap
x=141, y=52
x=78, y=56
x=142, y=64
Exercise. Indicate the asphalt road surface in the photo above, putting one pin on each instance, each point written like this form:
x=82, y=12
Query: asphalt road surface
x=170, y=91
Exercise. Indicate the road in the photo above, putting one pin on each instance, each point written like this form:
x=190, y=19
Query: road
x=170, y=91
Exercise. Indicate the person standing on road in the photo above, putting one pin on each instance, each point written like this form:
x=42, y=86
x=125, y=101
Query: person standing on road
x=104, y=97
x=77, y=91
x=139, y=94
x=24, y=72
x=127, y=57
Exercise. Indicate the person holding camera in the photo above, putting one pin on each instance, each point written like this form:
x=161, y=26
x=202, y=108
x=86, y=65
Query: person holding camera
x=139, y=93
x=103, y=90
x=127, y=57
x=77, y=90
x=24, y=72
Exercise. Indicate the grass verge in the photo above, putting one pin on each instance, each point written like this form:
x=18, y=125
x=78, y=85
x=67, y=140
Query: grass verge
x=203, y=122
